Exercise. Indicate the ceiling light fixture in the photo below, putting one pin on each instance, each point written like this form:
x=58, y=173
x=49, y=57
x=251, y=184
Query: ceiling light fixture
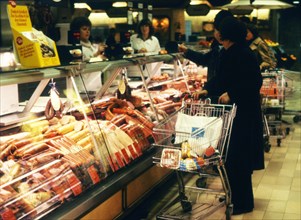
x=195, y=2
x=135, y=14
x=199, y=2
x=82, y=5
x=119, y=4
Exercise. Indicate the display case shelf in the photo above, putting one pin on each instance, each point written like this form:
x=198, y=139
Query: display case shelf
x=94, y=194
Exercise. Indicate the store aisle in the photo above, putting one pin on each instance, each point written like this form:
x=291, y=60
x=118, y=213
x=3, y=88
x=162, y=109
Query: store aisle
x=277, y=188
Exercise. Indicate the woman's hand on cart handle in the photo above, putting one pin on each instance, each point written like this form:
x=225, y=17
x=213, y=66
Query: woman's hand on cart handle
x=199, y=94
x=224, y=98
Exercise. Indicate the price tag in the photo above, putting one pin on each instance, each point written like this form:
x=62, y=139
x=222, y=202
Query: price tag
x=93, y=174
x=75, y=184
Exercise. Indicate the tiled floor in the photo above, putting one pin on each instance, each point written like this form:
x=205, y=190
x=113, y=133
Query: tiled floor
x=277, y=188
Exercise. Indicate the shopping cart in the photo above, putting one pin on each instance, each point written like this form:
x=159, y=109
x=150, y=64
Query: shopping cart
x=273, y=103
x=266, y=134
x=290, y=89
x=200, y=152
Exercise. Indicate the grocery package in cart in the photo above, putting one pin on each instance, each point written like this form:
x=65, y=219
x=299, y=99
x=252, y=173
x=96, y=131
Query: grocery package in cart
x=273, y=88
x=195, y=140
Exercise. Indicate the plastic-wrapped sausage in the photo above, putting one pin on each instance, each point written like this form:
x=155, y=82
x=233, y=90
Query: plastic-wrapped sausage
x=44, y=157
x=163, y=103
x=7, y=151
x=141, y=117
x=49, y=110
x=31, y=149
x=118, y=120
x=66, y=128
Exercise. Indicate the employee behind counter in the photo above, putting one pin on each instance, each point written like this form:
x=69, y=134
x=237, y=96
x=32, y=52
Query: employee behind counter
x=143, y=42
x=92, y=82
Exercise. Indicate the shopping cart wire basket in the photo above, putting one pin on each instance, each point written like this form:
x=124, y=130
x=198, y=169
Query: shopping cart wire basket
x=195, y=140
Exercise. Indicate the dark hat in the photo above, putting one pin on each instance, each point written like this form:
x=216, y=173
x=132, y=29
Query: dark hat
x=234, y=30
x=219, y=17
x=253, y=29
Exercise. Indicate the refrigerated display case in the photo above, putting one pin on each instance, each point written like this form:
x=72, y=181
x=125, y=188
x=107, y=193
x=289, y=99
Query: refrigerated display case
x=58, y=159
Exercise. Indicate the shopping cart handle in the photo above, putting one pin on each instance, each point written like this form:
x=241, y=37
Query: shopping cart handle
x=206, y=101
x=210, y=100
x=202, y=100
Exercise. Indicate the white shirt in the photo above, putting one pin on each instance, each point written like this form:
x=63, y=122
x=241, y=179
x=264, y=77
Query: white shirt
x=92, y=81
x=151, y=44
x=88, y=50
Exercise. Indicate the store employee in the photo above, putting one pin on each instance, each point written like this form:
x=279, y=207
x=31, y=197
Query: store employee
x=144, y=41
x=84, y=25
x=91, y=81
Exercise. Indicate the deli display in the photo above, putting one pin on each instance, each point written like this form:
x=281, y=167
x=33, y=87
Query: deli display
x=62, y=146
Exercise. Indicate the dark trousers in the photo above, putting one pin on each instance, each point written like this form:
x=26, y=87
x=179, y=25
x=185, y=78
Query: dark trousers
x=242, y=191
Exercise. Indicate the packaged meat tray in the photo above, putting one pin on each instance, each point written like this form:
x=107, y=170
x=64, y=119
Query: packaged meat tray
x=170, y=158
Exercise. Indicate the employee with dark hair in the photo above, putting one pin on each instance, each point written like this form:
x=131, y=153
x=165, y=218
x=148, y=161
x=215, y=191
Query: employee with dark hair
x=84, y=25
x=92, y=81
x=239, y=81
x=145, y=41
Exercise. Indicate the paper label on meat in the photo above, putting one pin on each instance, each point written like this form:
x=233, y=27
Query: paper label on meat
x=55, y=100
x=121, y=87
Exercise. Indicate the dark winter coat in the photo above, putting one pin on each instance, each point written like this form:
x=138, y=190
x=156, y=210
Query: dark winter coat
x=240, y=76
x=209, y=59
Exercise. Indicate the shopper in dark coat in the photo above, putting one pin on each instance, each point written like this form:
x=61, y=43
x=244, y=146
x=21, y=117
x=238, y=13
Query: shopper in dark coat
x=239, y=81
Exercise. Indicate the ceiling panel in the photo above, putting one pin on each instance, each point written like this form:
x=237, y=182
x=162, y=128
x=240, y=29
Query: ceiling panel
x=105, y=4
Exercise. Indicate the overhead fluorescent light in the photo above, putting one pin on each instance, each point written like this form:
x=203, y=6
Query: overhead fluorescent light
x=199, y=2
x=296, y=2
x=119, y=4
x=196, y=2
x=82, y=5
